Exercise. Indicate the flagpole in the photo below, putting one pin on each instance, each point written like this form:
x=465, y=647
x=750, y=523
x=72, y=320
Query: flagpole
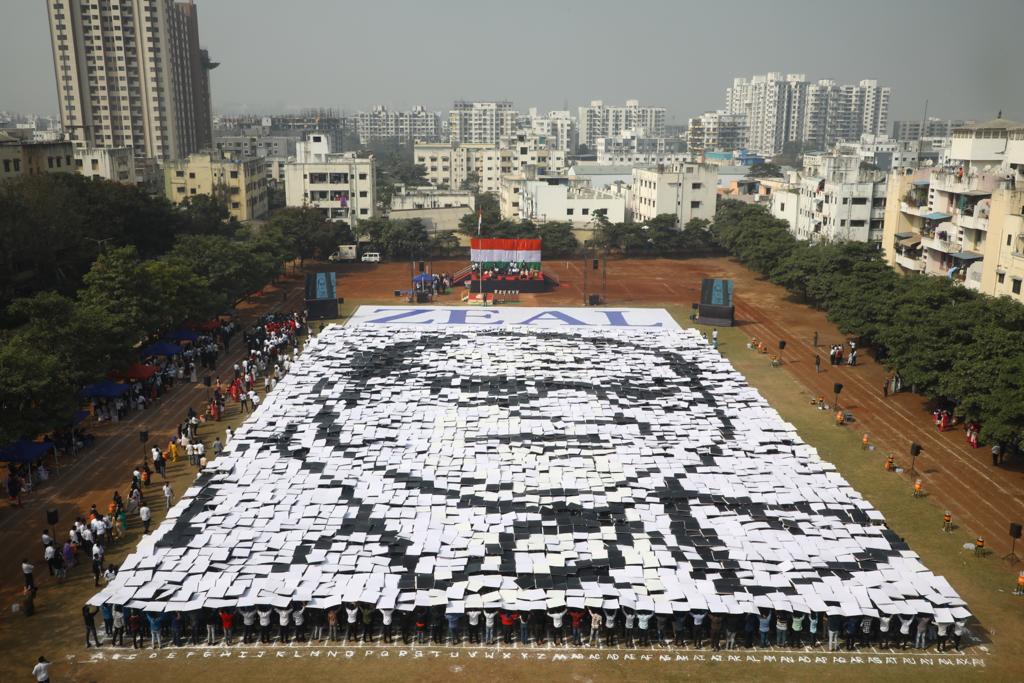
x=479, y=266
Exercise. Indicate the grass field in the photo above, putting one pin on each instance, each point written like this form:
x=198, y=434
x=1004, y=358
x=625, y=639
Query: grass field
x=985, y=583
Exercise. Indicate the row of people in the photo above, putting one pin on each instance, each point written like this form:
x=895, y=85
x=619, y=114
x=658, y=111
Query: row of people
x=579, y=627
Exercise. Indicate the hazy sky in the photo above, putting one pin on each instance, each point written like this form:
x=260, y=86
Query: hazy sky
x=281, y=55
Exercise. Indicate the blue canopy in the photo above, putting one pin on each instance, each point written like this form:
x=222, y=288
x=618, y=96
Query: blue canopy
x=104, y=389
x=937, y=216
x=423, y=277
x=180, y=335
x=24, y=451
x=77, y=418
x=160, y=349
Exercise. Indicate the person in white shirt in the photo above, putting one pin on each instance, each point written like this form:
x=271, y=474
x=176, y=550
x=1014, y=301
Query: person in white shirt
x=351, y=614
x=168, y=494
x=283, y=618
x=248, y=620
x=556, y=626
x=386, y=618
x=299, y=618
x=264, y=614
x=473, y=621
x=145, y=514
x=27, y=568
x=42, y=670
x=255, y=398
x=489, y=615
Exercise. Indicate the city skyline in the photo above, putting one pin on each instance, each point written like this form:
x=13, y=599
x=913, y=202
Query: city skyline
x=302, y=45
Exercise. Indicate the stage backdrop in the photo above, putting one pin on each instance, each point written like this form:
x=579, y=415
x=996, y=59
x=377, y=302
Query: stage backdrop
x=500, y=252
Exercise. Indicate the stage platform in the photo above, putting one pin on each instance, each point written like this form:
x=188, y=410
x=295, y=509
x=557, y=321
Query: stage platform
x=522, y=286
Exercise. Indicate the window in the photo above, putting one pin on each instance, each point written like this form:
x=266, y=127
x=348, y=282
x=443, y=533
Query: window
x=234, y=174
x=192, y=191
x=1015, y=286
x=842, y=223
x=191, y=175
x=569, y=212
x=362, y=176
x=234, y=205
x=694, y=205
x=181, y=189
x=179, y=174
x=858, y=201
x=857, y=224
x=845, y=200
x=363, y=212
x=1009, y=240
x=7, y=165
x=362, y=193
x=696, y=186
x=585, y=212
x=49, y=161
x=1000, y=277
x=782, y=206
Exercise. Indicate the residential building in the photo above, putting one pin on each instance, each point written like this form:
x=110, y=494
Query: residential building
x=24, y=156
x=602, y=176
x=932, y=128
x=736, y=157
x=341, y=185
x=598, y=121
x=481, y=122
x=558, y=127
x=404, y=126
x=716, y=131
x=255, y=145
x=686, y=190
x=132, y=74
x=240, y=183
x=832, y=199
x=116, y=164
x=427, y=197
x=636, y=148
x=459, y=166
x=547, y=198
x=817, y=115
x=964, y=219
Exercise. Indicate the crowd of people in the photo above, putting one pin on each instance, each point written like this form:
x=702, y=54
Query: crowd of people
x=508, y=271
x=620, y=627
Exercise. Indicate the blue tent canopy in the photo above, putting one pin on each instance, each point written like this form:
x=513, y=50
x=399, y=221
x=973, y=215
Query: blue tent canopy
x=160, y=349
x=24, y=451
x=423, y=277
x=181, y=335
x=104, y=389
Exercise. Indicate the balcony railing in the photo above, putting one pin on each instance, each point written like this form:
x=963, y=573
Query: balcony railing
x=909, y=262
x=944, y=245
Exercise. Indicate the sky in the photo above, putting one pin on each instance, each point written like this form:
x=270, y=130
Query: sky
x=280, y=56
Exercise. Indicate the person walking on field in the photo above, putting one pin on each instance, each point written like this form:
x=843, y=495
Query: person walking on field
x=168, y=494
x=41, y=670
x=817, y=363
x=145, y=514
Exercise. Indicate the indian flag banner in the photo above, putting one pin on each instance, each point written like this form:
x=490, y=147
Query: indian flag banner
x=501, y=251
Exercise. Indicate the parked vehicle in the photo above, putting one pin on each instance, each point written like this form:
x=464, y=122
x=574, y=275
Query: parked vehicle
x=371, y=257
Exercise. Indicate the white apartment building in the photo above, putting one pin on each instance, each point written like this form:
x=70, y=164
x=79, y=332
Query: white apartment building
x=598, y=121
x=561, y=198
x=341, y=185
x=107, y=163
x=832, y=199
x=405, y=126
x=635, y=147
x=932, y=128
x=481, y=122
x=780, y=110
x=687, y=190
x=451, y=165
x=558, y=127
x=964, y=219
x=132, y=74
x=716, y=131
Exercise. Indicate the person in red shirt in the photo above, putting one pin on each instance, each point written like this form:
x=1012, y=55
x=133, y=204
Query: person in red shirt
x=576, y=621
x=508, y=622
x=227, y=620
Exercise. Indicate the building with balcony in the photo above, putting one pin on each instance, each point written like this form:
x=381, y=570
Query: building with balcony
x=241, y=184
x=479, y=166
x=427, y=197
x=405, y=126
x=481, y=122
x=963, y=220
x=340, y=185
x=558, y=127
x=562, y=198
x=599, y=121
x=634, y=147
x=832, y=199
x=716, y=131
x=132, y=74
x=687, y=190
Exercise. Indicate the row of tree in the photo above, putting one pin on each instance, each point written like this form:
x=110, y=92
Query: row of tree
x=961, y=349
x=67, y=325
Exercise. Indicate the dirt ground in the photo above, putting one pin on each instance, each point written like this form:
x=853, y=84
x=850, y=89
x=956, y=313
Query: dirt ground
x=982, y=498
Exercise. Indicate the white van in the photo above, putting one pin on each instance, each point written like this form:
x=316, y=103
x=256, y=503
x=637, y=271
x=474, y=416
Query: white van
x=371, y=257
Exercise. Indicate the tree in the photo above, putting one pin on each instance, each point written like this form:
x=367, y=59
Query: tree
x=769, y=170
x=472, y=182
x=557, y=240
x=445, y=245
x=488, y=206
x=308, y=233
